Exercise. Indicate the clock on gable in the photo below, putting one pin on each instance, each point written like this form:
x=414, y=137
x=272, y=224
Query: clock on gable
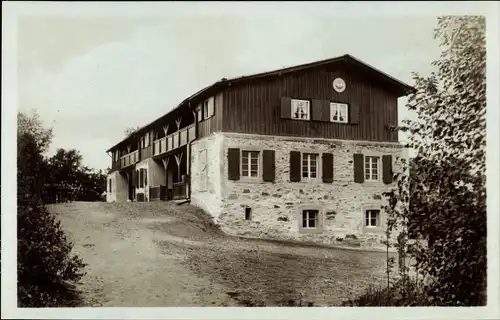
x=339, y=85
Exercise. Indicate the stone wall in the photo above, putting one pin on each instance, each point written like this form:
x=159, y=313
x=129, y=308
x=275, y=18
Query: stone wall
x=276, y=207
x=119, y=187
x=206, y=174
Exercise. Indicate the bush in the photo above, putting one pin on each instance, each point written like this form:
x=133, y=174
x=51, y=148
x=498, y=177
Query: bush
x=44, y=260
x=402, y=293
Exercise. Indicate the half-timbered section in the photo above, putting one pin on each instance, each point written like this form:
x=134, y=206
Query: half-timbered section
x=300, y=153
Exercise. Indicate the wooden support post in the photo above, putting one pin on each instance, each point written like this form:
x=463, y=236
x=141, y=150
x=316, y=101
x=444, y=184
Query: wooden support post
x=165, y=162
x=165, y=129
x=178, y=158
x=178, y=123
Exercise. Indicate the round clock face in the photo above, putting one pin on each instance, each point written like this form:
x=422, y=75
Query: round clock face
x=339, y=85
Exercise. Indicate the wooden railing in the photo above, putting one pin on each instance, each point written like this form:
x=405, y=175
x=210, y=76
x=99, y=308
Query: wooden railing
x=115, y=165
x=174, y=140
x=179, y=190
x=145, y=153
x=129, y=159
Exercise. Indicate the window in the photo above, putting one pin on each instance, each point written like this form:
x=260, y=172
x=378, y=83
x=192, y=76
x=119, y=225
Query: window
x=250, y=164
x=110, y=185
x=371, y=218
x=300, y=109
x=309, y=165
x=338, y=112
x=248, y=213
x=208, y=107
x=371, y=168
x=200, y=114
x=145, y=177
x=310, y=219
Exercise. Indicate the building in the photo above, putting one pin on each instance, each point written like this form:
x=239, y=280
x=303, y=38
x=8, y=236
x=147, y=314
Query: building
x=299, y=153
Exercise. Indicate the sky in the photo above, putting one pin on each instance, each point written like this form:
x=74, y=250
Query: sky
x=91, y=77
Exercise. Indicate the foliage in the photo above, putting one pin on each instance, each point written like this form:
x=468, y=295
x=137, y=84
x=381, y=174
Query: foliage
x=128, y=131
x=44, y=258
x=67, y=171
x=401, y=293
x=441, y=195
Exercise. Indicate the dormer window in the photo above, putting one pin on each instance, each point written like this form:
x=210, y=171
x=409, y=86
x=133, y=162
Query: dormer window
x=300, y=109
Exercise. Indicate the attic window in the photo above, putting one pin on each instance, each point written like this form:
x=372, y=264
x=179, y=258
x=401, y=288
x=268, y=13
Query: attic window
x=300, y=109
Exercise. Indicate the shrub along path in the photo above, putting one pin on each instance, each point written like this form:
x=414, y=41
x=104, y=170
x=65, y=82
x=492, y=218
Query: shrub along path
x=162, y=255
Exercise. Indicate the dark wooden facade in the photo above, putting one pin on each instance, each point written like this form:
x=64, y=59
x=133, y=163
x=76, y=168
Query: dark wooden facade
x=254, y=107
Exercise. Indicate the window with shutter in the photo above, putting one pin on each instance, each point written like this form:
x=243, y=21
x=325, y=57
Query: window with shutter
x=300, y=109
x=338, y=112
x=249, y=164
x=309, y=165
x=372, y=168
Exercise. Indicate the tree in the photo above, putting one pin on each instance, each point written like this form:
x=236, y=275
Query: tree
x=130, y=130
x=446, y=203
x=442, y=197
x=44, y=259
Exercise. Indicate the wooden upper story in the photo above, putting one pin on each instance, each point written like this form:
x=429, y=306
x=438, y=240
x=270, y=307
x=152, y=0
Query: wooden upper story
x=339, y=98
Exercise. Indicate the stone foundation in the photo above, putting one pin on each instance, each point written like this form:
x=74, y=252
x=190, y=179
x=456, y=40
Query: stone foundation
x=276, y=207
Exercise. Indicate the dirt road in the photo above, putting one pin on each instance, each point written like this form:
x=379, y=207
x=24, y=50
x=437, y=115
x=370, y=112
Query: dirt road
x=163, y=255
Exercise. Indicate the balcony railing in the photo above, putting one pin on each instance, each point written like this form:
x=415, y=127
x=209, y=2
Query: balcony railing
x=129, y=159
x=174, y=140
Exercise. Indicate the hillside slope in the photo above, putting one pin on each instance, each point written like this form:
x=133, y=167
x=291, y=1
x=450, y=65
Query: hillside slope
x=162, y=254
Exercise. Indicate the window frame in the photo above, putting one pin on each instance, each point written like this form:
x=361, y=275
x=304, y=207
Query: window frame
x=302, y=156
x=249, y=164
x=319, y=227
x=335, y=106
x=307, y=219
x=292, y=113
x=369, y=218
x=205, y=105
x=370, y=168
x=110, y=185
x=373, y=206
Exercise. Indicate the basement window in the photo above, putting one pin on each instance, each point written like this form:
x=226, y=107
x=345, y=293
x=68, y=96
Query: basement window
x=310, y=219
x=372, y=218
x=248, y=213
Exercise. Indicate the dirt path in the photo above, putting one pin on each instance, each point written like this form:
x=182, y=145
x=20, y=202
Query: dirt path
x=161, y=254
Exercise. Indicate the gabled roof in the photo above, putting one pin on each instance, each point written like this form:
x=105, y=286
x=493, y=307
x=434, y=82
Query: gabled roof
x=400, y=87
